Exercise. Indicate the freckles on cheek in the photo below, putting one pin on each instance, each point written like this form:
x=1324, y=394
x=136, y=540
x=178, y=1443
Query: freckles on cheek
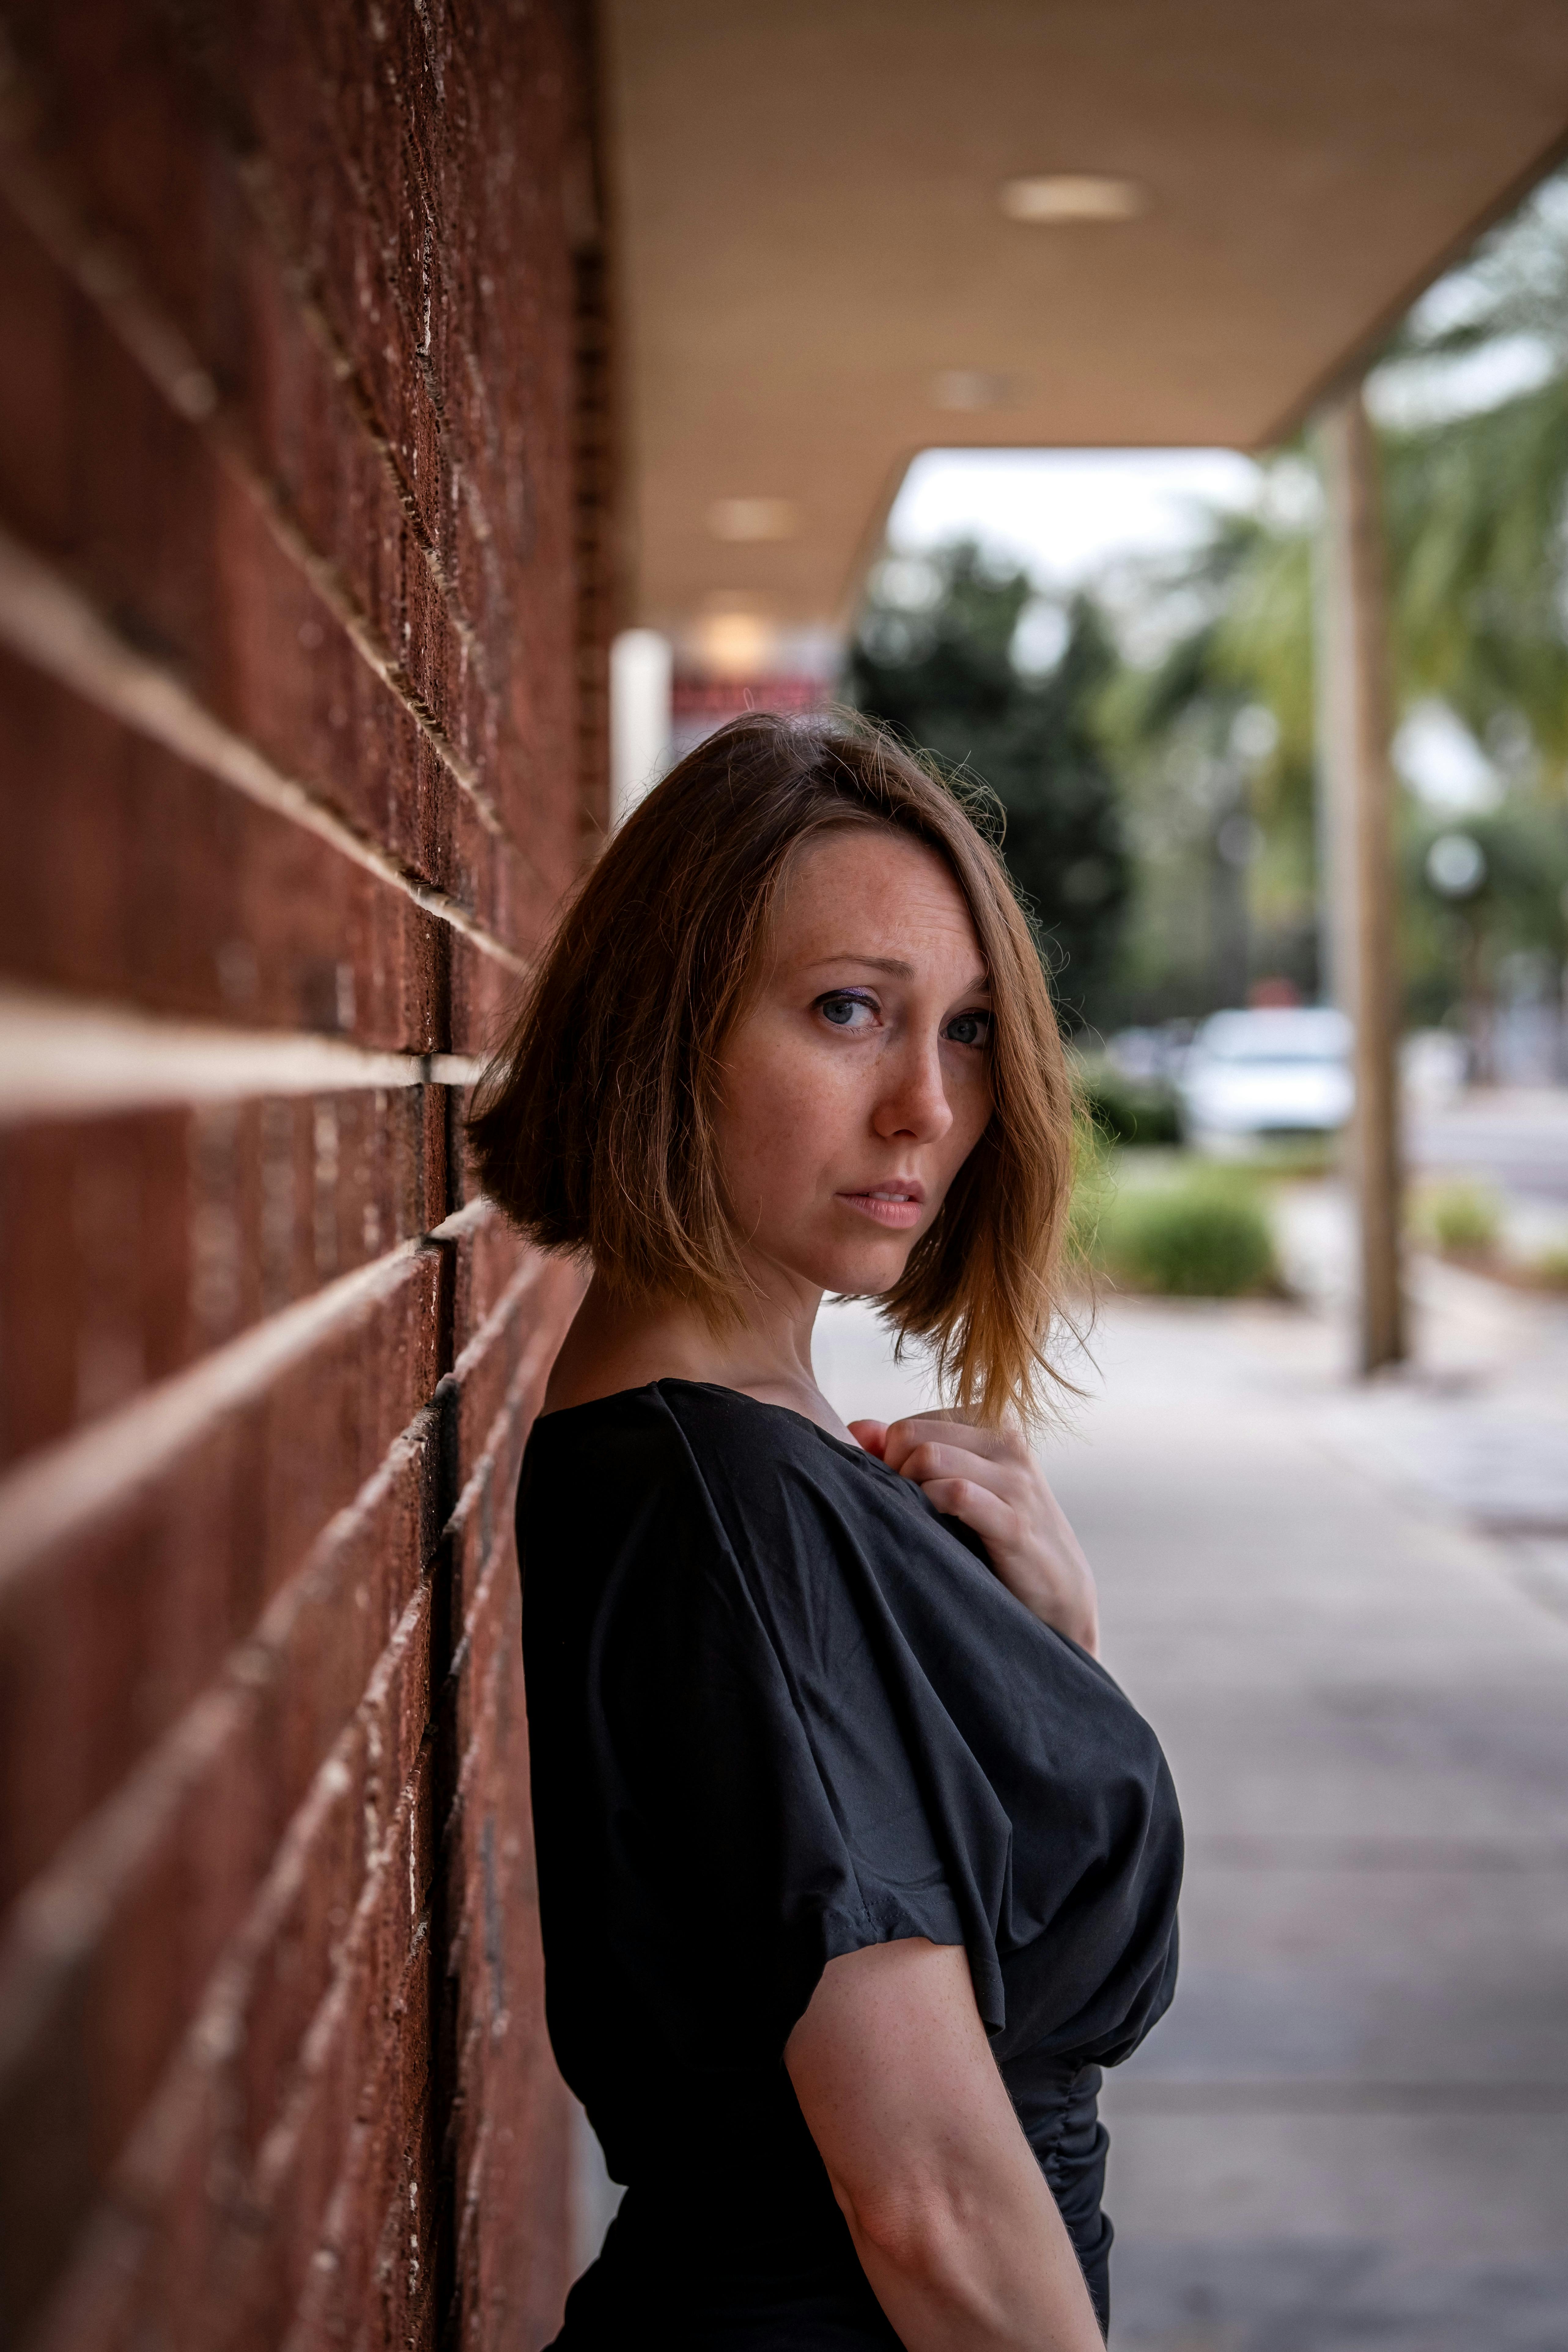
x=765, y=1111
x=782, y=1144
x=789, y=1096
x=784, y=1154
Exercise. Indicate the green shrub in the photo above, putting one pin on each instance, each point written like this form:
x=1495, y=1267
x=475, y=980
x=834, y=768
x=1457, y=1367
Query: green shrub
x=1200, y=1237
x=1272, y=1160
x=1551, y=1268
x=1127, y=1111
x=1462, y=1216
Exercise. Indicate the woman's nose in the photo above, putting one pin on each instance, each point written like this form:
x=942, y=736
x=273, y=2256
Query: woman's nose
x=914, y=1098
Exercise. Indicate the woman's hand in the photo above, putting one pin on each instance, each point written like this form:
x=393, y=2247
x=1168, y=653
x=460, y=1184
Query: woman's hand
x=989, y=1479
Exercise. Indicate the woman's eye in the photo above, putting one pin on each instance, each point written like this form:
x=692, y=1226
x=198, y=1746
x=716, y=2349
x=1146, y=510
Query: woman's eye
x=970, y=1029
x=843, y=1011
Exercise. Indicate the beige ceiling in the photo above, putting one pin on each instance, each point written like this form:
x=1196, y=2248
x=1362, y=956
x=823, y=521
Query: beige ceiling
x=809, y=237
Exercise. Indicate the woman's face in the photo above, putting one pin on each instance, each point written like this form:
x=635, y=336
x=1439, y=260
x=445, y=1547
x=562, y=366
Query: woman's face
x=856, y=1084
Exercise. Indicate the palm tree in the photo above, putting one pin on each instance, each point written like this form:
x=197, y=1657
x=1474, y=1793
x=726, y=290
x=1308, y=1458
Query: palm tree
x=1477, y=509
x=1478, y=502
x=1214, y=739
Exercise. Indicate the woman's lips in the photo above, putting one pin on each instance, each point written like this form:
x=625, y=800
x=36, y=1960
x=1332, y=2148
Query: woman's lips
x=888, y=1204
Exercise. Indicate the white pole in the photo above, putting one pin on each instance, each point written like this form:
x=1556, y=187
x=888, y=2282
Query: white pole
x=640, y=674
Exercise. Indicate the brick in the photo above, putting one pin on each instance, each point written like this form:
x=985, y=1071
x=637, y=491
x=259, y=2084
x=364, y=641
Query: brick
x=458, y=471
x=308, y=394
x=359, y=2102
x=176, y=546
x=91, y=2307
x=304, y=1991
x=94, y=1265
x=106, y=1641
x=102, y=2012
x=491, y=1627
x=267, y=1757
x=486, y=1416
x=153, y=883
x=250, y=1756
x=487, y=1259
x=134, y=1242
x=440, y=260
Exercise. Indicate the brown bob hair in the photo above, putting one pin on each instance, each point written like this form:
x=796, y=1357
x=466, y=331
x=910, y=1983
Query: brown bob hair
x=594, y=1126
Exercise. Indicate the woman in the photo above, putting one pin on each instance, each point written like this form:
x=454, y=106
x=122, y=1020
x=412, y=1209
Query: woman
x=853, y=1865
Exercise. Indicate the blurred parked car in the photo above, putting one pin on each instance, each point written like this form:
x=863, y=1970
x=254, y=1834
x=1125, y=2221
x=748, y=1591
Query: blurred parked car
x=1145, y=1054
x=1279, y=1073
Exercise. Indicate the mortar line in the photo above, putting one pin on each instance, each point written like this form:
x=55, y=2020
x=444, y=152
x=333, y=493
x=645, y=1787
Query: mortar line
x=51, y=625
x=108, y=276
x=56, y=1492
x=256, y=177
x=64, y=1905
x=61, y=1055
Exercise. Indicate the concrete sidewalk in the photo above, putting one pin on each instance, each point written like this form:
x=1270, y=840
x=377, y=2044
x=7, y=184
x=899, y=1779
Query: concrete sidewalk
x=1352, y=2128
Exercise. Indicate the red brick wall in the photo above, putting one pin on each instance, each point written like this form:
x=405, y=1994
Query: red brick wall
x=303, y=601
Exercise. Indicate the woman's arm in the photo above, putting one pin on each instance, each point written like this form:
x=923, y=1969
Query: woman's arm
x=951, y=2215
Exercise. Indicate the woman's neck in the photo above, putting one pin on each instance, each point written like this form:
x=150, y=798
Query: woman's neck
x=615, y=1343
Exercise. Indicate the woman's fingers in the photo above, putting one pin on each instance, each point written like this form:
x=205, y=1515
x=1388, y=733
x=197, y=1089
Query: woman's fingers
x=931, y=1460
x=990, y=1481
x=992, y=1520
x=871, y=1436
x=929, y=1428
x=1008, y=1440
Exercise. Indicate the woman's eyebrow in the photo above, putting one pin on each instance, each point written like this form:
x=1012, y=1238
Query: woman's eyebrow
x=898, y=970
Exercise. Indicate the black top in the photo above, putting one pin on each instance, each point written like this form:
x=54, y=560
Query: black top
x=780, y=1708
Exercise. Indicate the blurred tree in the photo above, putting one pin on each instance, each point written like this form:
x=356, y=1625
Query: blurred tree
x=1215, y=734
x=1473, y=393
x=1477, y=505
x=1210, y=731
x=943, y=656
x=1485, y=915
x=1477, y=490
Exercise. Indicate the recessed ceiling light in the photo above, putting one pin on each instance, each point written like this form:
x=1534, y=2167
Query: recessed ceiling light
x=735, y=644
x=1071, y=197
x=971, y=388
x=740, y=519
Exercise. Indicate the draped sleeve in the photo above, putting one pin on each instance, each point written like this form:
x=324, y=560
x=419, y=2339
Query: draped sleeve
x=774, y=1799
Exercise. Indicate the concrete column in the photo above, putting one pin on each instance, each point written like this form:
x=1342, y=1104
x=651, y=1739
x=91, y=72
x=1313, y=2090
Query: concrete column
x=1356, y=834
x=640, y=675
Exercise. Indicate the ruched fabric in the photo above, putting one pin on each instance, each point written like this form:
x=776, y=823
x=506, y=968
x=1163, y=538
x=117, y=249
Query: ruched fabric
x=780, y=1710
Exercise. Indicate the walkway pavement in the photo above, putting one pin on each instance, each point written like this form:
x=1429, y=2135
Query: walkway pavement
x=1352, y=2131
x=1517, y=1137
